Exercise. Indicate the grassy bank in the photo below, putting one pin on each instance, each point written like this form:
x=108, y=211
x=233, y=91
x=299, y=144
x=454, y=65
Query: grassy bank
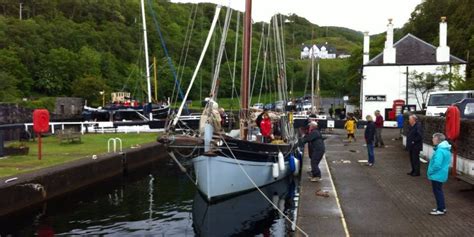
x=55, y=153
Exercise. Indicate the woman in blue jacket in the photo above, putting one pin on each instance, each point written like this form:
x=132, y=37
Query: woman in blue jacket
x=438, y=170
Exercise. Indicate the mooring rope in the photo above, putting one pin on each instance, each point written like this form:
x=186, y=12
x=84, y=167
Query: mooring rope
x=261, y=192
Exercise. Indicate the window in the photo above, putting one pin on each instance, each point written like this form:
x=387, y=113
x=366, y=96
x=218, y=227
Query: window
x=445, y=99
x=469, y=109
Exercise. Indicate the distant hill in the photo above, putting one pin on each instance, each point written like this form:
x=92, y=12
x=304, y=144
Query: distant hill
x=79, y=48
x=299, y=30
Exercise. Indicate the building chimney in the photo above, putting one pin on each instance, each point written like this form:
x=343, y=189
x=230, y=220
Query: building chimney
x=366, y=48
x=389, y=52
x=442, y=52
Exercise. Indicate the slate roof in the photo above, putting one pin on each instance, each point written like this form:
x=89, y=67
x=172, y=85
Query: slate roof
x=412, y=50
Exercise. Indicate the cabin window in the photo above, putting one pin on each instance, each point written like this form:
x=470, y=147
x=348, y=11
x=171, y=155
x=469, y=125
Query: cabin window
x=61, y=109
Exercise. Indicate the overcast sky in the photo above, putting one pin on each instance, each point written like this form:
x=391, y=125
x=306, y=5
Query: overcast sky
x=361, y=15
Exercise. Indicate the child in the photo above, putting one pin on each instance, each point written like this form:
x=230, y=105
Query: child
x=350, y=127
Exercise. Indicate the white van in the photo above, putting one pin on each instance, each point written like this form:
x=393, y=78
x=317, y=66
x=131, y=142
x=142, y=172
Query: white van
x=439, y=101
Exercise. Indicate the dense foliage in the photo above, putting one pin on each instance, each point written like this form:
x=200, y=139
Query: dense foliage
x=79, y=48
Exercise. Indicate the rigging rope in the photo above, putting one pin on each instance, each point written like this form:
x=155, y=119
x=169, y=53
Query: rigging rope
x=165, y=49
x=258, y=59
x=214, y=88
x=209, y=36
x=265, y=54
x=186, y=43
x=235, y=59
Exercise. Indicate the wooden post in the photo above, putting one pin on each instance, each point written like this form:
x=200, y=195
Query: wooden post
x=39, y=145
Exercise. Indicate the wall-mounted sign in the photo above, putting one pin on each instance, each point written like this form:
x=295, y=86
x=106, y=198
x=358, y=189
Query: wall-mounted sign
x=375, y=98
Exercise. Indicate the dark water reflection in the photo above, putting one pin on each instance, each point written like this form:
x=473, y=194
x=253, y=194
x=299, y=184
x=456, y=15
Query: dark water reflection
x=156, y=201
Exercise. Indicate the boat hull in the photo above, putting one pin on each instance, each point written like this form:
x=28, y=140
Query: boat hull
x=219, y=176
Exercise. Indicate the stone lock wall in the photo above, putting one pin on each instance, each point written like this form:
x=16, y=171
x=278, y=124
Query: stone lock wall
x=432, y=125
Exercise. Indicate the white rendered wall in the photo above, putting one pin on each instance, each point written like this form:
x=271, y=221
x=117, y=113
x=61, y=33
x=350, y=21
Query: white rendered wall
x=391, y=82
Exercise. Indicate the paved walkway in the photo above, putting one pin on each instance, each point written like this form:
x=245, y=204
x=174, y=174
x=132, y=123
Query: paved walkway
x=382, y=200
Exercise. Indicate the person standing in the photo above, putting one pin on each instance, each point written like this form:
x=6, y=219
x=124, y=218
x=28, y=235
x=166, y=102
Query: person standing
x=400, y=121
x=369, y=136
x=266, y=127
x=350, y=127
x=316, y=149
x=414, y=144
x=438, y=170
x=378, y=129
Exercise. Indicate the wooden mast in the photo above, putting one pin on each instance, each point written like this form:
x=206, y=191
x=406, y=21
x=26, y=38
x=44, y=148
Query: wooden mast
x=245, y=85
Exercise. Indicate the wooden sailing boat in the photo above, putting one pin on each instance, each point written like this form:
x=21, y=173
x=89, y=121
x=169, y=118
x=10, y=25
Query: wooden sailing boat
x=227, y=165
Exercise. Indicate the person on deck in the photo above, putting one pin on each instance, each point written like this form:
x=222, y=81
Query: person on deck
x=266, y=127
x=259, y=118
x=438, y=170
x=378, y=129
x=316, y=149
x=369, y=136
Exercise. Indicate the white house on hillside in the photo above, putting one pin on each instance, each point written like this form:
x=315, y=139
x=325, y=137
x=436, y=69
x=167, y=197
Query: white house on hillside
x=385, y=77
x=323, y=51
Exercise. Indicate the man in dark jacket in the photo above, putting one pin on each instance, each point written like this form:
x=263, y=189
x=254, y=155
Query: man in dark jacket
x=316, y=149
x=369, y=135
x=414, y=144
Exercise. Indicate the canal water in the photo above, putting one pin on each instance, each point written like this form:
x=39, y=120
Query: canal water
x=157, y=201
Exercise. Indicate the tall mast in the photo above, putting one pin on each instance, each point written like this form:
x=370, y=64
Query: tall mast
x=245, y=85
x=147, y=60
x=312, y=81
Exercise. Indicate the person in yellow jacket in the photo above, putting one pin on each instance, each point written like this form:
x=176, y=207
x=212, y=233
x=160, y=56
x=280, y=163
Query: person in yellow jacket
x=350, y=126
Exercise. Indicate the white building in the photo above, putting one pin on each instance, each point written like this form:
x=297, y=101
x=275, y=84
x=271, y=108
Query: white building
x=324, y=51
x=385, y=77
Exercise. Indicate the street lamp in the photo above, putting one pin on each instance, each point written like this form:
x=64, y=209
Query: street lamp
x=102, y=93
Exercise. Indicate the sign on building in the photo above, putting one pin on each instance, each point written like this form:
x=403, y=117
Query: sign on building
x=375, y=98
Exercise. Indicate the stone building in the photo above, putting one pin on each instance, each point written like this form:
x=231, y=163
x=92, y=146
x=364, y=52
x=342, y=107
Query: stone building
x=66, y=106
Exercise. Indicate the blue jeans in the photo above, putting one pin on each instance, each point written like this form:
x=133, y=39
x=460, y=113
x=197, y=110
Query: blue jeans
x=439, y=196
x=370, y=151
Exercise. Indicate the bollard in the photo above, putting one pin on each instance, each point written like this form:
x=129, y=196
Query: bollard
x=1, y=143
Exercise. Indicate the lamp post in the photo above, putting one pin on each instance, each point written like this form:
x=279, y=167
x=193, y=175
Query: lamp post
x=102, y=93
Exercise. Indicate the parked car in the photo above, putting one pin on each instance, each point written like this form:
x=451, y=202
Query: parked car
x=269, y=106
x=439, y=101
x=466, y=107
x=306, y=105
x=279, y=105
x=258, y=105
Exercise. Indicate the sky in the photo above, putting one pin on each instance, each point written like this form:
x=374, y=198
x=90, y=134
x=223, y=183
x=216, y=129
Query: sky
x=361, y=15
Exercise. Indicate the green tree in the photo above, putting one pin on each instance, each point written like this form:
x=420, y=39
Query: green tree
x=89, y=88
x=58, y=71
x=8, y=87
